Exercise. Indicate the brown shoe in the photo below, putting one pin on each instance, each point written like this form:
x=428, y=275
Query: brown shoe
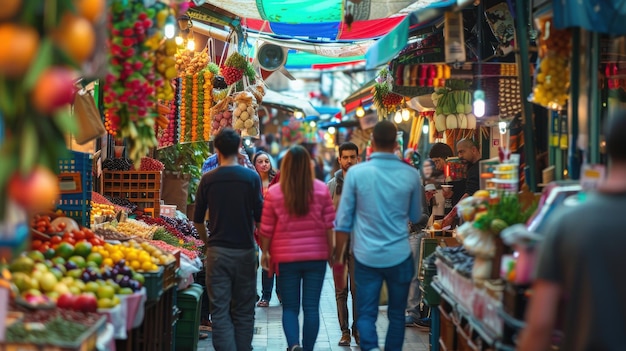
x=345, y=339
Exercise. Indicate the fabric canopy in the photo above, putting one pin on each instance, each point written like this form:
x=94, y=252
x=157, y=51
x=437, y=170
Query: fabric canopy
x=289, y=102
x=601, y=16
x=311, y=11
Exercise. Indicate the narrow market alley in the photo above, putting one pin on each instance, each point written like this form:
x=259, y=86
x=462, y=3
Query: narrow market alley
x=269, y=332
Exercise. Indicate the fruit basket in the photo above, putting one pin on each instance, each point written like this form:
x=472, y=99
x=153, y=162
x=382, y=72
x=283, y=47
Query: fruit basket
x=86, y=341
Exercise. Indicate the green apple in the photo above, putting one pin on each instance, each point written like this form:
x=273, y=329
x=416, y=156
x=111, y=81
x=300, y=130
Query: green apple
x=36, y=274
x=79, y=284
x=74, y=290
x=125, y=291
x=75, y=273
x=57, y=273
x=39, y=266
x=53, y=295
x=79, y=261
x=61, y=289
x=91, y=287
x=21, y=280
x=105, y=302
x=105, y=291
x=47, y=281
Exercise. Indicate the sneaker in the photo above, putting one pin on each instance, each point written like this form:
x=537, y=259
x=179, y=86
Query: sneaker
x=295, y=348
x=409, y=321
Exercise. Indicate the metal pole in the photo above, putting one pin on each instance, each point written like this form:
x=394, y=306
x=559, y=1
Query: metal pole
x=573, y=154
x=593, y=113
x=523, y=70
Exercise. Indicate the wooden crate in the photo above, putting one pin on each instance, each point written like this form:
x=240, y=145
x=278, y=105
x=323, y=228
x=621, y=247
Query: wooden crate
x=447, y=336
x=139, y=187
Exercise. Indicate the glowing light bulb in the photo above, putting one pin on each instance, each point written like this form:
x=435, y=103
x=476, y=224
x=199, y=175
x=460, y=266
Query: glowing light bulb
x=179, y=40
x=170, y=27
x=406, y=114
x=397, y=117
x=298, y=114
x=191, y=45
x=425, y=129
x=312, y=124
x=502, y=126
x=479, y=103
x=332, y=130
x=360, y=111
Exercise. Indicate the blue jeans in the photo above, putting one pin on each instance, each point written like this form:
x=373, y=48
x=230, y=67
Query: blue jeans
x=268, y=284
x=230, y=280
x=369, y=281
x=310, y=276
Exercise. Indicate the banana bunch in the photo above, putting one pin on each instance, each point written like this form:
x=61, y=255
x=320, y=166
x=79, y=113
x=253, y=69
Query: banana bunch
x=140, y=138
x=453, y=109
x=165, y=64
x=189, y=63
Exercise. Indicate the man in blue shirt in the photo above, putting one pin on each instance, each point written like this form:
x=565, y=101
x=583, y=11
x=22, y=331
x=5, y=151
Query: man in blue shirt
x=376, y=205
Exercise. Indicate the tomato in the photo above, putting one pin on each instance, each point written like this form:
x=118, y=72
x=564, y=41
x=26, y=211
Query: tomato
x=55, y=239
x=36, y=244
x=61, y=226
x=67, y=235
x=70, y=241
x=79, y=235
x=89, y=234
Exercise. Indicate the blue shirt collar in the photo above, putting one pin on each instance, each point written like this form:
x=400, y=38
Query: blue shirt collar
x=384, y=155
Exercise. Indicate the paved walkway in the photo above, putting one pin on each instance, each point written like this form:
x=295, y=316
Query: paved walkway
x=269, y=331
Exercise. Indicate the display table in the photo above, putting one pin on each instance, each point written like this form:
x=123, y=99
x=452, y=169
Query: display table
x=127, y=315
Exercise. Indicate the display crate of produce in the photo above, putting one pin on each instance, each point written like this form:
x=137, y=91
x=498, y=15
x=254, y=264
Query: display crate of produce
x=75, y=182
x=154, y=284
x=140, y=187
x=188, y=301
x=169, y=275
x=85, y=342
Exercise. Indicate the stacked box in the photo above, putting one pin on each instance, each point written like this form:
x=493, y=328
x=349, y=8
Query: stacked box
x=75, y=181
x=142, y=188
x=188, y=301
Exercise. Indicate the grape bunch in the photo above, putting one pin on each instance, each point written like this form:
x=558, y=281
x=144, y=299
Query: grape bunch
x=117, y=164
x=183, y=225
x=219, y=82
x=150, y=164
x=122, y=202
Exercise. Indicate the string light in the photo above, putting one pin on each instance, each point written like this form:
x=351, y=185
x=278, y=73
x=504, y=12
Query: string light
x=397, y=117
x=406, y=114
x=425, y=129
x=179, y=40
x=360, y=111
x=170, y=27
x=191, y=44
x=298, y=114
x=479, y=103
x=332, y=130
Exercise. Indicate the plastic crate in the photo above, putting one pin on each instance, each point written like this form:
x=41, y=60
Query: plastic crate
x=154, y=284
x=169, y=275
x=76, y=183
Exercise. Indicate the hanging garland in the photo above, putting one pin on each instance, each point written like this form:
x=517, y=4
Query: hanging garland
x=169, y=135
x=207, y=88
x=183, y=109
x=200, y=120
x=188, y=108
x=194, y=107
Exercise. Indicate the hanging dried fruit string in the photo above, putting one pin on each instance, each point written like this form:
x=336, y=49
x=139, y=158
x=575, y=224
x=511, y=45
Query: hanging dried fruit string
x=188, y=97
x=176, y=110
x=200, y=120
x=208, y=102
x=183, y=109
x=194, y=107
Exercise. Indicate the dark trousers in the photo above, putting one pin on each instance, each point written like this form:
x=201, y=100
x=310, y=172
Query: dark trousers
x=231, y=284
x=341, y=295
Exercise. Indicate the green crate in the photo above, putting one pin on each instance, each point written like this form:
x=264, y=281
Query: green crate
x=154, y=284
x=187, y=343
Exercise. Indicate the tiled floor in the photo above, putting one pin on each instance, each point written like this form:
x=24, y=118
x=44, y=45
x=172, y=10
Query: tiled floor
x=269, y=332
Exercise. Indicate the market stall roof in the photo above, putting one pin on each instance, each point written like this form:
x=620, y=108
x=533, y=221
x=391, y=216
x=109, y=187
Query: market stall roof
x=289, y=102
x=606, y=16
x=362, y=95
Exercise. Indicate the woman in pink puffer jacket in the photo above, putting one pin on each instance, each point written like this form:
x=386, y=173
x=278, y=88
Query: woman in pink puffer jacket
x=297, y=240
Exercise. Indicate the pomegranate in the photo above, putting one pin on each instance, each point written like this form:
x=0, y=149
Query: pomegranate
x=54, y=89
x=36, y=191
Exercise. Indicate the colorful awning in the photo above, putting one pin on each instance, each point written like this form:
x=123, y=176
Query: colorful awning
x=601, y=16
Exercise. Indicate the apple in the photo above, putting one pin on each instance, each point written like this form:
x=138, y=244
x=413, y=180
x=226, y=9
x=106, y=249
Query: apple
x=47, y=281
x=52, y=295
x=54, y=88
x=66, y=301
x=38, y=190
x=105, y=303
x=125, y=291
x=105, y=291
x=87, y=303
x=91, y=287
x=61, y=289
x=75, y=290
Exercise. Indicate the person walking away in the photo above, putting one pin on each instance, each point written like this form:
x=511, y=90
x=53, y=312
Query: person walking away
x=297, y=241
x=348, y=156
x=374, y=211
x=232, y=196
x=469, y=154
x=580, y=265
x=261, y=161
x=414, y=317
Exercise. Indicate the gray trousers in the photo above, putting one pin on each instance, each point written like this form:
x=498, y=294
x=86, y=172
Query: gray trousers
x=415, y=294
x=341, y=295
x=231, y=284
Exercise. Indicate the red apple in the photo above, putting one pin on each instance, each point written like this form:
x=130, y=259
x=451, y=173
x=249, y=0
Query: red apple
x=66, y=301
x=37, y=191
x=55, y=88
x=86, y=303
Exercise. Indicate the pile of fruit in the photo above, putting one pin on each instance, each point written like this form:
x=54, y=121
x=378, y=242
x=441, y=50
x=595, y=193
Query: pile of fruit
x=117, y=164
x=170, y=232
x=134, y=228
x=168, y=135
x=189, y=62
x=245, y=114
x=42, y=54
x=222, y=117
x=385, y=100
x=553, y=76
x=133, y=256
x=234, y=68
x=150, y=164
x=166, y=67
x=101, y=213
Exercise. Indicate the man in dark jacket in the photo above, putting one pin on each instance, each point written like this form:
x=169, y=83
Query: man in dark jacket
x=348, y=156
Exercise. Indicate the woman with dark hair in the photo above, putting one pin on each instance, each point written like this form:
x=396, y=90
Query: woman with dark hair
x=297, y=241
x=263, y=166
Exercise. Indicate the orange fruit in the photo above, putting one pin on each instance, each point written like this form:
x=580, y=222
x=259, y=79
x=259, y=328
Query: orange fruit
x=9, y=8
x=76, y=37
x=436, y=225
x=92, y=10
x=18, y=49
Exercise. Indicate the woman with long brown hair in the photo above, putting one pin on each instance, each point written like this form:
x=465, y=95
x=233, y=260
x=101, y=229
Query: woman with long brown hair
x=297, y=241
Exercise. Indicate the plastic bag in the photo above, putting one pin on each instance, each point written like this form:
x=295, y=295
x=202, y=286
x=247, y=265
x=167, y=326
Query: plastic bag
x=245, y=116
x=552, y=77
